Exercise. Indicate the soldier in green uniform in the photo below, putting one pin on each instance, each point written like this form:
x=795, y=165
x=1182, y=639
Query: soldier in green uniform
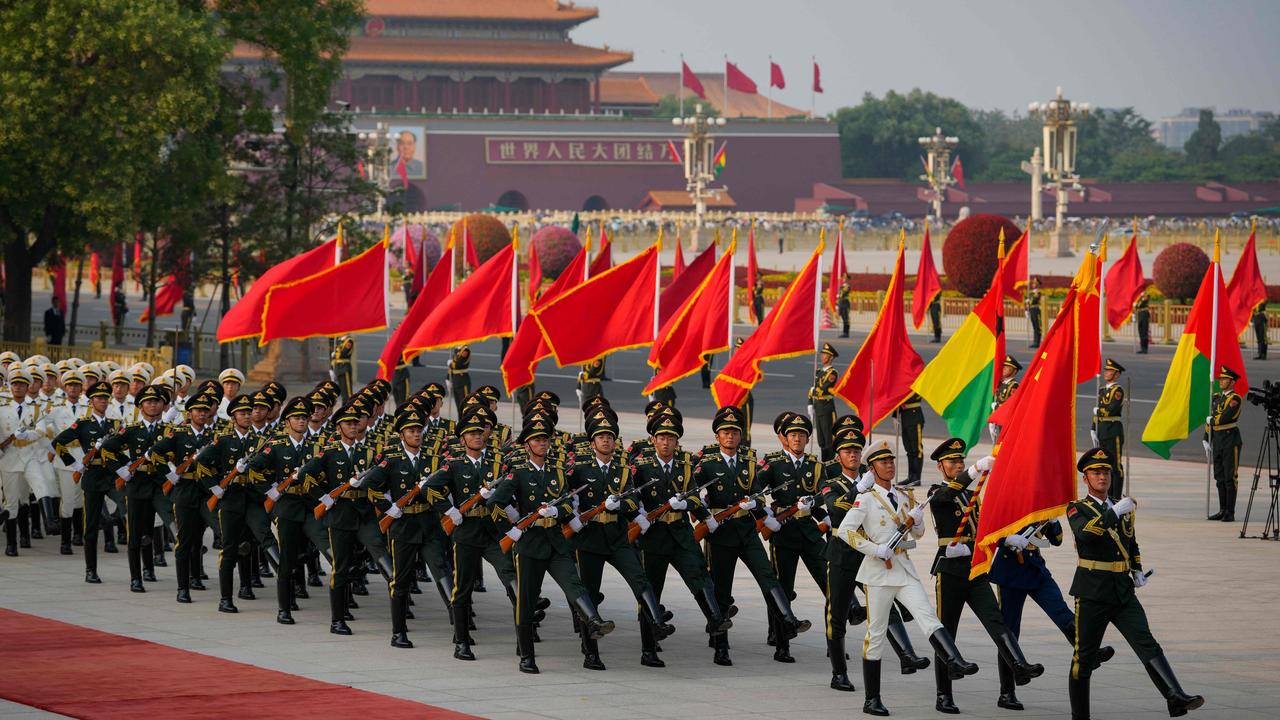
x=730, y=476
x=1031, y=303
x=1259, y=321
x=435, y=427
x=844, y=304
x=1108, y=423
x=1107, y=578
x=935, y=317
x=96, y=481
x=142, y=484
x=1142, y=313
x=910, y=418
x=535, y=487
x=341, y=367
x=822, y=404
x=1008, y=384
x=178, y=447
x=953, y=586
x=793, y=477
x=589, y=381
x=757, y=300
x=843, y=561
x=460, y=376
x=1222, y=441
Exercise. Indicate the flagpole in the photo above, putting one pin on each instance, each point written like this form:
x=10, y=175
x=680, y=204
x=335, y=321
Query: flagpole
x=817, y=304
x=733, y=247
x=813, y=93
x=681, y=84
x=1102, y=319
x=1213, y=368
x=515, y=298
x=657, y=284
x=725, y=84
x=770, y=96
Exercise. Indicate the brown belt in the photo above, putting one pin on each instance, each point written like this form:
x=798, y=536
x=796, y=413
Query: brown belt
x=477, y=511
x=671, y=516
x=544, y=522
x=605, y=517
x=415, y=508
x=1118, y=566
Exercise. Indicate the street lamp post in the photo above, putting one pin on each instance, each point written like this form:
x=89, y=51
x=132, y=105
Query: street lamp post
x=699, y=152
x=377, y=149
x=1060, y=116
x=938, y=167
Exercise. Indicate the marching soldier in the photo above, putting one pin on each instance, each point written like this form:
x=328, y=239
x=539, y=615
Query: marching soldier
x=341, y=366
x=1008, y=384
x=231, y=381
x=459, y=381
x=64, y=414
x=910, y=418
x=18, y=433
x=1222, y=441
x=733, y=492
x=1108, y=425
x=1107, y=578
x=757, y=300
x=174, y=453
x=1259, y=321
x=935, y=317
x=955, y=517
x=1142, y=313
x=535, y=489
x=85, y=435
x=844, y=304
x=822, y=404
x=142, y=483
x=842, y=560
x=882, y=525
x=1031, y=303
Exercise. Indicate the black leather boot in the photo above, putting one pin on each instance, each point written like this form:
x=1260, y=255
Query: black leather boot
x=184, y=596
x=1008, y=695
x=338, y=611
x=157, y=548
x=656, y=615
x=462, y=634
x=52, y=517
x=1078, y=691
x=77, y=527
x=1165, y=681
x=857, y=613
x=399, y=626
x=11, y=538
x=945, y=647
x=720, y=641
x=871, y=681
x=524, y=647
x=839, y=666
x=706, y=599
x=65, y=531
x=91, y=560
x=1011, y=653
x=590, y=616
x=34, y=526
x=790, y=624
x=444, y=586
x=24, y=526
x=900, y=641
x=945, y=702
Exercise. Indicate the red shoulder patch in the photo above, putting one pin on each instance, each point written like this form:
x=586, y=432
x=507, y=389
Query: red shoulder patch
x=1071, y=510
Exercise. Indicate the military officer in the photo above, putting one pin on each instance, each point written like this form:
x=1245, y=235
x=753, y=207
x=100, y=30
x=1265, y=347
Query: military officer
x=910, y=418
x=955, y=517
x=142, y=483
x=231, y=381
x=1031, y=303
x=877, y=517
x=1105, y=586
x=95, y=480
x=1108, y=423
x=843, y=561
x=18, y=438
x=734, y=493
x=1222, y=440
x=459, y=381
x=844, y=304
x=822, y=404
x=174, y=455
x=341, y=366
x=61, y=416
x=1142, y=314
x=1008, y=384
x=1259, y=321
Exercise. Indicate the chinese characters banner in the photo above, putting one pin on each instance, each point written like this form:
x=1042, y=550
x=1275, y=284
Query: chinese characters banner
x=575, y=151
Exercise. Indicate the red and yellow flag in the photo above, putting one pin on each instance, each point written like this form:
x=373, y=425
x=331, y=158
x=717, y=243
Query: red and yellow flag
x=478, y=309
x=698, y=329
x=347, y=298
x=528, y=348
x=244, y=319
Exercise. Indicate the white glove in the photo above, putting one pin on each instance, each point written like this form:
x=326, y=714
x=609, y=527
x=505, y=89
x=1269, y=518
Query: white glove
x=1208, y=419
x=395, y=511
x=327, y=500
x=77, y=467
x=241, y=466
x=27, y=435
x=884, y=552
x=1017, y=542
x=514, y=534
x=1093, y=435
x=486, y=492
x=448, y=387
x=579, y=393
x=98, y=445
x=217, y=491
x=512, y=514
x=748, y=504
x=957, y=550
x=677, y=503
x=1205, y=443
x=575, y=523
x=711, y=524
x=986, y=463
x=549, y=511
x=994, y=430
x=804, y=504
x=171, y=415
x=1095, y=412
x=865, y=482
x=809, y=408
x=772, y=523
x=454, y=515
x=172, y=475
x=1139, y=579
x=916, y=514
x=123, y=473
x=1123, y=506
x=612, y=503
x=357, y=481
x=333, y=375
x=643, y=522
x=274, y=494
x=973, y=472
x=422, y=484
x=994, y=404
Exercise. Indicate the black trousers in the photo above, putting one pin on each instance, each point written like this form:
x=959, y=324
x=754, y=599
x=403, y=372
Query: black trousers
x=140, y=516
x=824, y=419
x=935, y=318
x=913, y=441
x=785, y=562
x=1144, y=330
x=467, y=570
x=953, y=592
x=1112, y=440
x=190, y=536
x=1092, y=618
x=1034, y=316
x=529, y=574
x=1226, y=470
x=93, y=509
x=722, y=562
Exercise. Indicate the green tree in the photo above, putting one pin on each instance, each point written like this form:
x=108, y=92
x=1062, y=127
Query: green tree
x=878, y=136
x=669, y=106
x=1203, y=145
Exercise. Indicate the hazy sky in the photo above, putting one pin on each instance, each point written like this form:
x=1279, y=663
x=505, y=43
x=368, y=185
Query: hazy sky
x=1156, y=55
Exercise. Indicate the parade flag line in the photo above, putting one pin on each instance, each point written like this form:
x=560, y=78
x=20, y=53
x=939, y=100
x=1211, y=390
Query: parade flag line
x=84, y=673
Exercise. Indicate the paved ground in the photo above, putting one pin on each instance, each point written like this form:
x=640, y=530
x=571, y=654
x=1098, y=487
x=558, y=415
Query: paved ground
x=1212, y=604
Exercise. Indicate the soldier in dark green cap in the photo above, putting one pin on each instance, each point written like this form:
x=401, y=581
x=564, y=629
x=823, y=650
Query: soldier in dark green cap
x=822, y=404
x=459, y=382
x=842, y=561
x=1222, y=440
x=1108, y=423
x=142, y=484
x=96, y=481
x=1107, y=579
x=948, y=501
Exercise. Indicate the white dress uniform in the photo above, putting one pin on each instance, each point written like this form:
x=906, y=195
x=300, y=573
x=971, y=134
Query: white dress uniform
x=871, y=523
x=122, y=410
x=60, y=417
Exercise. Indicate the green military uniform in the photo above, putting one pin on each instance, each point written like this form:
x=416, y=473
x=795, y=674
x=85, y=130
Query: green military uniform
x=341, y=365
x=1108, y=425
x=589, y=380
x=911, y=419
x=1223, y=435
x=1142, y=314
x=838, y=493
x=843, y=305
x=935, y=317
x=1259, y=321
x=96, y=482
x=460, y=376
x=188, y=497
x=142, y=491
x=1031, y=303
x=823, y=402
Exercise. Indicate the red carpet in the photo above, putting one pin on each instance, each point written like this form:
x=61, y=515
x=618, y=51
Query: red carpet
x=76, y=671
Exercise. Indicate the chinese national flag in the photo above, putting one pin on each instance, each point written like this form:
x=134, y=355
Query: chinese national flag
x=1034, y=476
x=886, y=361
x=1124, y=284
x=735, y=79
x=244, y=319
x=698, y=329
x=1246, y=288
x=478, y=309
x=60, y=284
x=629, y=291
x=528, y=348
x=817, y=77
x=957, y=172
x=535, y=274
x=349, y=297
x=434, y=291
x=838, y=271
x=775, y=76
x=679, y=290
x=787, y=331
x=677, y=265
x=167, y=296
x=928, y=285
x=753, y=272
x=691, y=82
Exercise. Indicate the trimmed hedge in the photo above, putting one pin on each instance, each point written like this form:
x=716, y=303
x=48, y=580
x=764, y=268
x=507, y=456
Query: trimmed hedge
x=488, y=234
x=556, y=247
x=1179, y=269
x=969, y=252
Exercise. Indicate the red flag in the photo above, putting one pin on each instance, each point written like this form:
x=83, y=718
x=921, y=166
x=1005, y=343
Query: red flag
x=753, y=272
x=1015, y=267
x=360, y=168
x=775, y=76
x=468, y=248
x=535, y=274
x=700, y=328
x=478, y=309
x=137, y=256
x=413, y=262
x=735, y=79
x=1088, y=325
x=168, y=296
x=787, y=331
x=60, y=284
x=349, y=297
x=403, y=171
x=95, y=268
x=604, y=259
x=838, y=271
x=886, y=361
x=928, y=285
x=677, y=265
x=957, y=172
x=675, y=154
x=244, y=319
x=1124, y=284
x=117, y=276
x=1246, y=288
x=817, y=78
x=674, y=295
x=690, y=81
x=628, y=290
x=1035, y=472
x=434, y=291
x=528, y=348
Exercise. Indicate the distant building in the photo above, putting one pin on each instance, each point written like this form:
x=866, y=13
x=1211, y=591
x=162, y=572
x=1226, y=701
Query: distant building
x=1173, y=132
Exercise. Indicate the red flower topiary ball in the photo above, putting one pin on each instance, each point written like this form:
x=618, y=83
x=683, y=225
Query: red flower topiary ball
x=1179, y=270
x=556, y=247
x=969, y=252
x=488, y=234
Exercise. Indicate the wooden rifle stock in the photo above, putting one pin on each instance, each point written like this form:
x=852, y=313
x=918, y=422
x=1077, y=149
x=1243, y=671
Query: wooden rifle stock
x=226, y=481
x=506, y=542
x=133, y=466
x=385, y=523
x=270, y=504
x=447, y=523
x=186, y=465
x=634, y=531
x=588, y=515
x=321, y=509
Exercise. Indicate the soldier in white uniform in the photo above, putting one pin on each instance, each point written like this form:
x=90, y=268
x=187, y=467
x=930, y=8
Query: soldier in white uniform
x=231, y=380
x=870, y=527
x=17, y=435
x=120, y=406
x=61, y=416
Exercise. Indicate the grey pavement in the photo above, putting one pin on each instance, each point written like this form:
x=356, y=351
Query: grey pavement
x=1212, y=604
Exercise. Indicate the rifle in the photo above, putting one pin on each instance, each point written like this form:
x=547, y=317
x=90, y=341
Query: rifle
x=701, y=531
x=1028, y=533
x=335, y=494
x=633, y=530
x=903, y=530
x=506, y=542
x=186, y=465
x=270, y=504
x=588, y=515
x=213, y=499
x=8, y=441
x=447, y=523
x=133, y=466
x=785, y=515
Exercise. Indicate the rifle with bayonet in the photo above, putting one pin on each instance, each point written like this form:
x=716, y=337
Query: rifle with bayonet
x=587, y=516
x=507, y=541
x=634, y=531
x=701, y=531
x=226, y=481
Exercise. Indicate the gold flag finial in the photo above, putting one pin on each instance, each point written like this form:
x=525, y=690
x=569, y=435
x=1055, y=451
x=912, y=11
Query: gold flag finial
x=1217, y=247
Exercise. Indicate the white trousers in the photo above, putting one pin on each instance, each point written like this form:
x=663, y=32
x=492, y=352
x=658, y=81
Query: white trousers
x=880, y=600
x=72, y=497
x=40, y=478
x=14, y=487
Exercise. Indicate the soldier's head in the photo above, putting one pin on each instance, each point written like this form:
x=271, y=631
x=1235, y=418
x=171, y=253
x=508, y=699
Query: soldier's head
x=1111, y=370
x=99, y=395
x=1035, y=282
x=19, y=381
x=472, y=428
x=261, y=408
x=882, y=463
x=409, y=426
x=950, y=457
x=1011, y=366
x=151, y=400
x=1095, y=467
x=347, y=421
x=604, y=435
x=828, y=353
x=119, y=386
x=727, y=425
x=200, y=407
x=848, y=446
x=665, y=428
x=73, y=385
x=536, y=437
x=295, y=414
x=231, y=380
x=793, y=430
x=1227, y=379
x=240, y=409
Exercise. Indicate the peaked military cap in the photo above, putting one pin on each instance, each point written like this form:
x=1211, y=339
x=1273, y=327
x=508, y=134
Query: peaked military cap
x=407, y=420
x=1229, y=374
x=238, y=403
x=849, y=438
x=602, y=424
x=202, y=401
x=99, y=389
x=952, y=449
x=828, y=349
x=351, y=411
x=879, y=451
x=1012, y=362
x=1113, y=365
x=728, y=418
x=262, y=399
x=665, y=423
x=298, y=406
x=1095, y=458
x=794, y=422
x=548, y=396
x=535, y=429
x=231, y=375
x=850, y=422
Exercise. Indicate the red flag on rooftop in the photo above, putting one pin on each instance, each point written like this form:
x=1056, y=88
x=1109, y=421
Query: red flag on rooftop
x=244, y=319
x=1246, y=288
x=698, y=329
x=349, y=297
x=775, y=76
x=735, y=79
x=817, y=77
x=928, y=284
x=690, y=81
